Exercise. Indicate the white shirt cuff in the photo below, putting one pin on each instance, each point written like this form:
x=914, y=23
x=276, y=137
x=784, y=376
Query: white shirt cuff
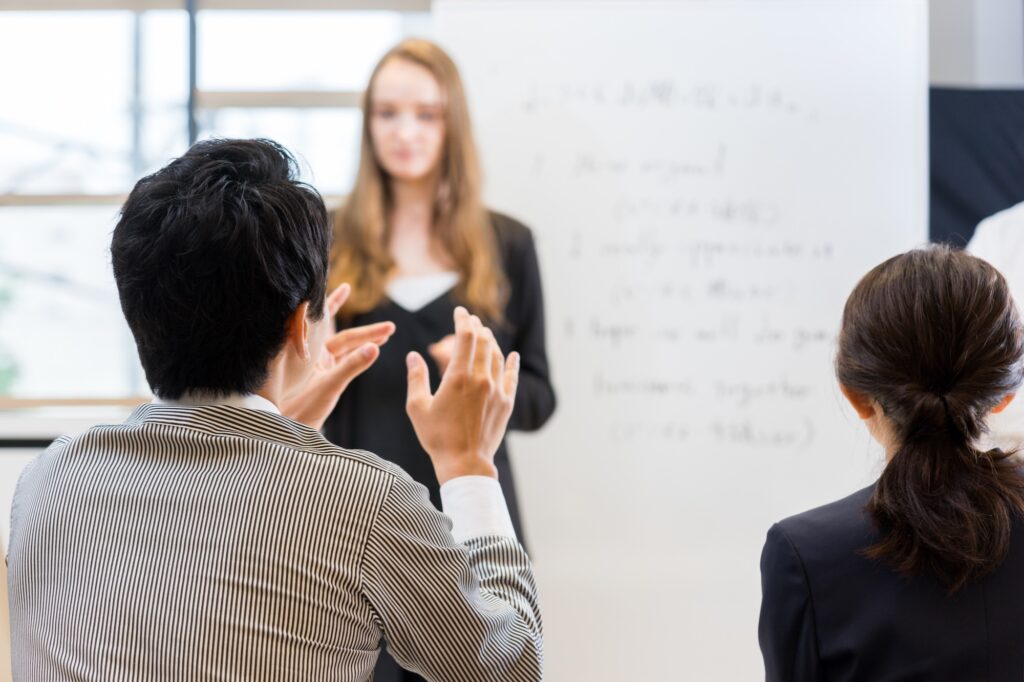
x=476, y=507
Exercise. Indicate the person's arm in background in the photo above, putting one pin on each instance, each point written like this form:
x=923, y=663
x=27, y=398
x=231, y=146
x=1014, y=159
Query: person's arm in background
x=786, y=630
x=456, y=600
x=535, y=401
x=985, y=242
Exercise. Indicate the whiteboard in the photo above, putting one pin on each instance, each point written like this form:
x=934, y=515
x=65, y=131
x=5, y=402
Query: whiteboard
x=706, y=180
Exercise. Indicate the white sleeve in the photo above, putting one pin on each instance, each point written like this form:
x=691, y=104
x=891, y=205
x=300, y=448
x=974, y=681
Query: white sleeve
x=983, y=244
x=477, y=508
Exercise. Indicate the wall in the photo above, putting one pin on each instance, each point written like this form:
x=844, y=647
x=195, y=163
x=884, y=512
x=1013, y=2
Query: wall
x=976, y=43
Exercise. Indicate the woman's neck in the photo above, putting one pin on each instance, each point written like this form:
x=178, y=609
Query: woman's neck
x=412, y=211
x=412, y=243
x=413, y=200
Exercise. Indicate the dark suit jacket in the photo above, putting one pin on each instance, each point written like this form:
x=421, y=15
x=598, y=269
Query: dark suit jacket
x=829, y=613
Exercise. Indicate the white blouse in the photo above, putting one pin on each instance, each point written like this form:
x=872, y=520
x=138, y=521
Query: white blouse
x=416, y=291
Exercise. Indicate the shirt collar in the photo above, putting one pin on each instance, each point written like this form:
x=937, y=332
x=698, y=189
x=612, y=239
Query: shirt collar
x=249, y=402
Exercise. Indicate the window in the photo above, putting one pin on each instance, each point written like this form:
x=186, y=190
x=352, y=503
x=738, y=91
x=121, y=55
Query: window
x=78, y=132
x=61, y=330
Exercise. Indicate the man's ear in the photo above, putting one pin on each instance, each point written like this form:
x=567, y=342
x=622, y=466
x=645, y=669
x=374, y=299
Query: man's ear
x=298, y=331
x=862, y=404
x=1007, y=399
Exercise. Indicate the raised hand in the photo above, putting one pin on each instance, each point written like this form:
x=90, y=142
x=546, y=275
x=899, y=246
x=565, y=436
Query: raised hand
x=461, y=426
x=344, y=356
x=441, y=352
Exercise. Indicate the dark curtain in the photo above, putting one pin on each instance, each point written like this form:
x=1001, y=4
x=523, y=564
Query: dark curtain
x=977, y=158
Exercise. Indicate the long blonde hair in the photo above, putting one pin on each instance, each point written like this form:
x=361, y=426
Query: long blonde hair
x=460, y=222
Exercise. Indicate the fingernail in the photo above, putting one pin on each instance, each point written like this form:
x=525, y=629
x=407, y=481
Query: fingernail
x=368, y=350
x=515, y=359
x=410, y=360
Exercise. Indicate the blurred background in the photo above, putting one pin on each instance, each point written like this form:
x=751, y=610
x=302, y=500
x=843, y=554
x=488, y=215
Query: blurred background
x=98, y=94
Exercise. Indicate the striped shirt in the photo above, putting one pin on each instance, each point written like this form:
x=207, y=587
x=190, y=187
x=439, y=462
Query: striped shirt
x=216, y=542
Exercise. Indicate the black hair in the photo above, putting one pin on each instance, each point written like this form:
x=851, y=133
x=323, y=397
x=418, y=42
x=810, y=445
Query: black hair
x=211, y=255
x=934, y=338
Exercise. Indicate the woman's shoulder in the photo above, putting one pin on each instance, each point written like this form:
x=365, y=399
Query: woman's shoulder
x=512, y=234
x=838, y=526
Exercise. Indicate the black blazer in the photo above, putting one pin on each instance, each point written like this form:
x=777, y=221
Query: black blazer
x=829, y=613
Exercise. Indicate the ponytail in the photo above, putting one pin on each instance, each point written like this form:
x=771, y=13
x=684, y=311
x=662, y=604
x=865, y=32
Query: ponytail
x=933, y=337
x=946, y=507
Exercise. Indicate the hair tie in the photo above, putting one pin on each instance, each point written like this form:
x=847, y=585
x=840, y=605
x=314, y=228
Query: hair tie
x=950, y=420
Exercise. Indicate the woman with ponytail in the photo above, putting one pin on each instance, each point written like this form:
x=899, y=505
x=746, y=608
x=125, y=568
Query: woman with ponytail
x=921, y=575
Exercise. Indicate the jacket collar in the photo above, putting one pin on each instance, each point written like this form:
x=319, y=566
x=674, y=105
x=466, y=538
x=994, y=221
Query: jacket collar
x=233, y=421
x=250, y=401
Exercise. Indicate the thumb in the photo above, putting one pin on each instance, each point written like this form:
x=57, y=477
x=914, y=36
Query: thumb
x=419, y=383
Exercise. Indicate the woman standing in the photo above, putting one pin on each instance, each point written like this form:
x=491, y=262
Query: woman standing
x=921, y=575
x=415, y=240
